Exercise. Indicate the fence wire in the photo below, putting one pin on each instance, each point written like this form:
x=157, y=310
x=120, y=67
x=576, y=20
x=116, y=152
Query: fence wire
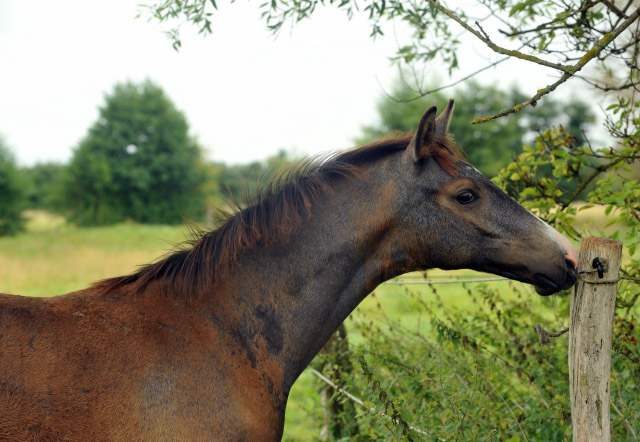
x=452, y=281
x=359, y=401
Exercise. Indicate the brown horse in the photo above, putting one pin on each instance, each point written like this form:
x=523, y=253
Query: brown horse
x=206, y=343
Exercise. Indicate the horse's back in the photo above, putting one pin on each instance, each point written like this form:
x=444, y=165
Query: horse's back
x=63, y=369
x=127, y=368
x=23, y=410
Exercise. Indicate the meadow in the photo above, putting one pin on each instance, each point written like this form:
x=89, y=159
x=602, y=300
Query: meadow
x=53, y=257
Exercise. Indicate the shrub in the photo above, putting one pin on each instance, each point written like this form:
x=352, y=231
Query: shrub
x=12, y=198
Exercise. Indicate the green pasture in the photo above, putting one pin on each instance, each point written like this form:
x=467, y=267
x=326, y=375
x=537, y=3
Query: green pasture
x=53, y=257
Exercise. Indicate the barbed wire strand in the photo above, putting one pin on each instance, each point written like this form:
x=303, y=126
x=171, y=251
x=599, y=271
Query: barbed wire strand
x=453, y=281
x=462, y=281
x=607, y=281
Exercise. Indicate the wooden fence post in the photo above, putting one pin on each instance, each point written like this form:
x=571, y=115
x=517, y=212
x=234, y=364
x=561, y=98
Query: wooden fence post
x=590, y=331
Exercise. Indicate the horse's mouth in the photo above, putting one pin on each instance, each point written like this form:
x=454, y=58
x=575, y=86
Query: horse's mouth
x=545, y=287
x=542, y=284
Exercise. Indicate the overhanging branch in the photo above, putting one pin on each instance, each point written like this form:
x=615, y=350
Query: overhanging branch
x=500, y=50
x=570, y=71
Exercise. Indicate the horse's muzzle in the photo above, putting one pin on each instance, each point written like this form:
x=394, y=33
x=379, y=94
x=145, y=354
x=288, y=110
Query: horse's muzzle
x=545, y=286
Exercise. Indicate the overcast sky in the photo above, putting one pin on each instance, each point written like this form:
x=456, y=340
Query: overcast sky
x=245, y=94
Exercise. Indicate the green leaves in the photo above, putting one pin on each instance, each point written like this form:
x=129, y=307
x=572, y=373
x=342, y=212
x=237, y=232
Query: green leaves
x=197, y=12
x=589, y=191
x=527, y=6
x=489, y=147
x=470, y=370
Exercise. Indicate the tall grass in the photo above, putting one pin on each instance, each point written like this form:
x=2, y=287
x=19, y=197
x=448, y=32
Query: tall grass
x=53, y=257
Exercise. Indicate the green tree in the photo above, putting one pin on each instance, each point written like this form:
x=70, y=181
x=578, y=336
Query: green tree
x=136, y=162
x=241, y=182
x=490, y=146
x=12, y=198
x=43, y=183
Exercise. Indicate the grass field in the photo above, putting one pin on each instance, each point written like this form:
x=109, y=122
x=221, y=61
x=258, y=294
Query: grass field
x=53, y=257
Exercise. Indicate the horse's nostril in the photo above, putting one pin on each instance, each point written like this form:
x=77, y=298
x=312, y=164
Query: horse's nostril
x=571, y=258
x=570, y=255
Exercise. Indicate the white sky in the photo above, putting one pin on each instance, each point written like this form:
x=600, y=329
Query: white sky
x=245, y=94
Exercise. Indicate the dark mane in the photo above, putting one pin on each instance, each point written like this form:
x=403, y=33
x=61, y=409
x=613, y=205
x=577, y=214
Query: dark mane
x=277, y=209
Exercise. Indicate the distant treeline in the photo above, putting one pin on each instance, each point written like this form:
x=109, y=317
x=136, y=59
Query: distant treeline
x=222, y=184
x=137, y=162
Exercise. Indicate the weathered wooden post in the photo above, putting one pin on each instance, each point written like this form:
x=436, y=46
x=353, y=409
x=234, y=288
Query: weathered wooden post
x=590, y=330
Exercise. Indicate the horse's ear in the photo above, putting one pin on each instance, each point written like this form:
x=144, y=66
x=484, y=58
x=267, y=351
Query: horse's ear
x=443, y=120
x=425, y=134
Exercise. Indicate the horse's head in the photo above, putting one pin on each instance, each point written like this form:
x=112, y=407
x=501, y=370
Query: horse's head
x=457, y=218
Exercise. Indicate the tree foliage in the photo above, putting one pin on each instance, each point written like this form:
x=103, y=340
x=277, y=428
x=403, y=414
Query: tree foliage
x=490, y=146
x=137, y=162
x=563, y=36
x=12, y=198
x=240, y=182
x=42, y=185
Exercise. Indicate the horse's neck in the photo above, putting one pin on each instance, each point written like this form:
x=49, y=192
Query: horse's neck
x=296, y=294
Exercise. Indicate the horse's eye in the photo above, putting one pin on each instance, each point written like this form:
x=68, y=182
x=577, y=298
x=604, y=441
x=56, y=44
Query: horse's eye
x=466, y=196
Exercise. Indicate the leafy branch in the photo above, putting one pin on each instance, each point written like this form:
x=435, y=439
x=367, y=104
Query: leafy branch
x=563, y=36
x=569, y=71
